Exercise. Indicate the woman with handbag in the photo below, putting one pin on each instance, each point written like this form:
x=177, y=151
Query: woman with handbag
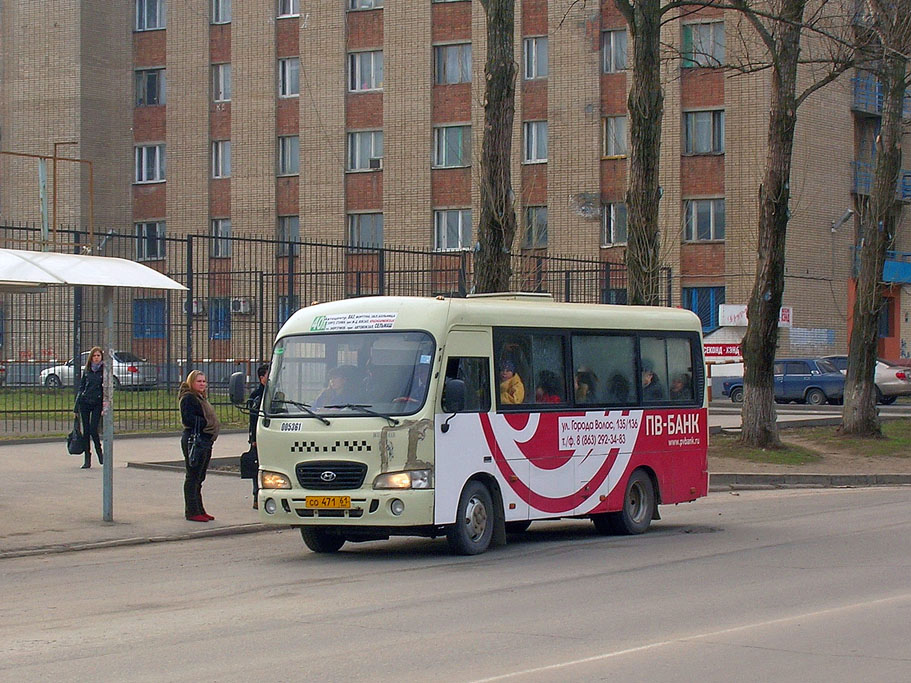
x=89, y=400
x=200, y=429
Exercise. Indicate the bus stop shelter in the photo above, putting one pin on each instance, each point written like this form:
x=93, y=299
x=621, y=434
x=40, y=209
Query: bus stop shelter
x=33, y=271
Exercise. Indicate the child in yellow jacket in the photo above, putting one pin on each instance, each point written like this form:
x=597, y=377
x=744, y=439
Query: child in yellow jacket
x=512, y=391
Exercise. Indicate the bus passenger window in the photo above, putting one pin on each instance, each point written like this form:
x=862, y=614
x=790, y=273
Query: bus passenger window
x=530, y=367
x=475, y=372
x=604, y=369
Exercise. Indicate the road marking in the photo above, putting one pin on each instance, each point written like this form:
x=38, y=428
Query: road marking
x=698, y=636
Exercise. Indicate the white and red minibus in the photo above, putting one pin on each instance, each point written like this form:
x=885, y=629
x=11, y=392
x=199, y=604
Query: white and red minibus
x=470, y=418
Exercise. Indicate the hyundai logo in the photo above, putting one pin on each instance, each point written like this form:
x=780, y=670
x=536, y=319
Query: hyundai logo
x=328, y=475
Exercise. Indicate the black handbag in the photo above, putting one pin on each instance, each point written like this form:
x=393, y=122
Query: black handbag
x=249, y=463
x=197, y=448
x=75, y=440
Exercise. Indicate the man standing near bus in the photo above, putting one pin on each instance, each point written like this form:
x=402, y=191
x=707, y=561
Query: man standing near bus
x=254, y=403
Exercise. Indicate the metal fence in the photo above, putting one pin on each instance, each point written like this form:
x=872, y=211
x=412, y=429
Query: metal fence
x=240, y=291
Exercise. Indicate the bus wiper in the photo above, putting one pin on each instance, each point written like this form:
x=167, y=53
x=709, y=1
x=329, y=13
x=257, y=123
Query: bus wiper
x=365, y=408
x=302, y=406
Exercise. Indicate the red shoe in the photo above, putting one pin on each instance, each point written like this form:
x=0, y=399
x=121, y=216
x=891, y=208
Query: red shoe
x=198, y=518
x=208, y=516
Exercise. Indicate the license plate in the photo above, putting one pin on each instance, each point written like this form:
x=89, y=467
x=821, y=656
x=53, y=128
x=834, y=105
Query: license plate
x=328, y=502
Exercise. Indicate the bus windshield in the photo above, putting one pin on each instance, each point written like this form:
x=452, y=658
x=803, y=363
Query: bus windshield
x=350, y=374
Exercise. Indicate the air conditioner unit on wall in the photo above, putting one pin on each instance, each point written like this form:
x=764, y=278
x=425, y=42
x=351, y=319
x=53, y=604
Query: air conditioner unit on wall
x=241, y=305
x=199, y=306
x=376, y=163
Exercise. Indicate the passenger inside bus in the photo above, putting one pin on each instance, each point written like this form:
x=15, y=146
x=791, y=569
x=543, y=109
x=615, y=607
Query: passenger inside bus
x=338, y=389
x=586, y=385
x=618, y=389
x=651, y=385
x=549, y=388
x=512, y=390
x=681, y=388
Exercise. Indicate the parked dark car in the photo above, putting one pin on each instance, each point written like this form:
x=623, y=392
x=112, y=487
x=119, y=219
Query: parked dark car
x=891, y=380
x=805, y=380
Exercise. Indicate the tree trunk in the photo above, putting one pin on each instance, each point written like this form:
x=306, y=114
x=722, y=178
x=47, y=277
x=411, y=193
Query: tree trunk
x=646, y=108
x=758, y=416
x=497, y=224
x=878, y=218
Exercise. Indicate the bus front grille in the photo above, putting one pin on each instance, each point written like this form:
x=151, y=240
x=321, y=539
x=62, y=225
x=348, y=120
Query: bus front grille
x=331, y=475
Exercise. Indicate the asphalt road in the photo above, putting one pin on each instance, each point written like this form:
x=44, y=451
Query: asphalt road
x=808, y=585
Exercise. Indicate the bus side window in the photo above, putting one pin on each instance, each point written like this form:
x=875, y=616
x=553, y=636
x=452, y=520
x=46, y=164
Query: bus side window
x=603, y=369
x=475, y=372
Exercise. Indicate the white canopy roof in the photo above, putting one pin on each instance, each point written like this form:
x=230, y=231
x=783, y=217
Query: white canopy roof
x=29, y=269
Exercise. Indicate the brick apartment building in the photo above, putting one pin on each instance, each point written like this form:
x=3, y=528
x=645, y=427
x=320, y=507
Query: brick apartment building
x=360, y=121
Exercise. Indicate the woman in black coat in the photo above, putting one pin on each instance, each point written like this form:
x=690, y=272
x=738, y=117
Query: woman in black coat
x=89, y=400
x=198, y=416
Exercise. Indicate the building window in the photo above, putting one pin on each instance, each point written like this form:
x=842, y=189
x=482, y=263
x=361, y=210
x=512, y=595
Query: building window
x=451, y=146
x=221, y=159
x=452, y=64
x=365, y=150
x=149, y=318
x=614, y=136
x=289, y=234
x=288, y=155
x=289, y=8
x=614, y=295
x=613, y=51
x=289, y=77
x=703, y=44
x=220, y=318
x=221, y=82
x=150, y=14
x=365, y=70
x=365, y=4
x=535, y=58
x=613, y=224
x=150, y=241
x=365, y=230
x=704, y=132
x=535, y=228
x=150, y=87
x=704, y=302
x=221, y=238
x=704, y=220
x=535, y=141
x=221, y=11
x=150, y=165
x=287, y=305
x=452, y=229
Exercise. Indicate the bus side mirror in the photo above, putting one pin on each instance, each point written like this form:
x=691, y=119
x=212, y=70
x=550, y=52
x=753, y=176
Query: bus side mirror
x=236, y=388
x=453, y=400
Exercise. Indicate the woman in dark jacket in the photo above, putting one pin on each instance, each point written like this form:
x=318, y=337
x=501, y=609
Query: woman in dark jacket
x=89, y=400
x=198, y=416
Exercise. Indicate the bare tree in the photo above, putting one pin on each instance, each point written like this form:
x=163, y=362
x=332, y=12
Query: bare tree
x=779, y=24
x=887, y=56
x=497, y=223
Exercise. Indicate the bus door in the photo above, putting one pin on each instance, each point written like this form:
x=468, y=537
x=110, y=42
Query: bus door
x=470, y=444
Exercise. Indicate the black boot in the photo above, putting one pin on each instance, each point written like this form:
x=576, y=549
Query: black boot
x=100, y=457
x=88, y=461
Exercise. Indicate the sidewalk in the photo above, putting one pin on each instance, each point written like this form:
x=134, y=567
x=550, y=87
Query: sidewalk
x=51, y=505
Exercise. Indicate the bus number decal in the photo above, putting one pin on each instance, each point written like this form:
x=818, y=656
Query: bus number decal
x=291, y=426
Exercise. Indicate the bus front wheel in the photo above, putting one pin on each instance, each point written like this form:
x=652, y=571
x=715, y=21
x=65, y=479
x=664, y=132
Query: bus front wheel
x=471, y=533
x=320, y=541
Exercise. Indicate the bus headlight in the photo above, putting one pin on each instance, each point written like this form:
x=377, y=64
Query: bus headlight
x=412, y=479
x=273, y=480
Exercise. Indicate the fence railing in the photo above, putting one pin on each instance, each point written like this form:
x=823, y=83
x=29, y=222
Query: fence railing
x=240, y=291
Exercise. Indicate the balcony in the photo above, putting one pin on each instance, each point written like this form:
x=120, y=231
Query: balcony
x=863, y=181
x=896, y=267
x=868, y=96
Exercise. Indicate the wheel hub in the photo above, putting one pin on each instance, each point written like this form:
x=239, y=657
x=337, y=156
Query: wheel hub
x=475, y=518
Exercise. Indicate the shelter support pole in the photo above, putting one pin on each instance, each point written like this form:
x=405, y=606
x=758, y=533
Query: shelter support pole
x=107, y=470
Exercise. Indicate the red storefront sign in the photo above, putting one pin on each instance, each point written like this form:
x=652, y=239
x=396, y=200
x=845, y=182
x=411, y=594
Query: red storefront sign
x=722, y=351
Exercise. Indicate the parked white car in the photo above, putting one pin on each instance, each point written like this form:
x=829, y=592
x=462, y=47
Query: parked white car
x=130, y=371
x=891, y=380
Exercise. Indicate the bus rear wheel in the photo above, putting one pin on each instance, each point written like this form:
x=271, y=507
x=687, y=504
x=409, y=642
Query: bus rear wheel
x=638, y=508
x=320, y=541
x=473, y=529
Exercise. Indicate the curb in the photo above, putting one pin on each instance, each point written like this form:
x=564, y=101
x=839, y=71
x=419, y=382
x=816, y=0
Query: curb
x=727, y=481
x=179, y=466
x=233, y=530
